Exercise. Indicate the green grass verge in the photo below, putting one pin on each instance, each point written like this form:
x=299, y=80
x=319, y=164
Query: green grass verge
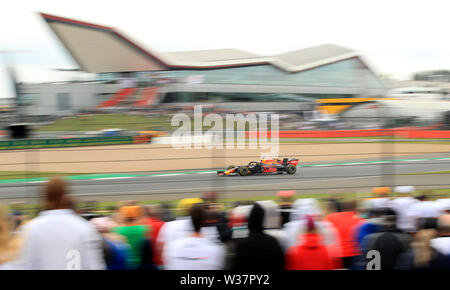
x=31, y=174
x=430, y=172
x=64, y=145
x=107, y=121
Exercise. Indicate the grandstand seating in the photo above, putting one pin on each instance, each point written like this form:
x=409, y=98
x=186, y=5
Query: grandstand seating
x=148, y=97
x=118, y=97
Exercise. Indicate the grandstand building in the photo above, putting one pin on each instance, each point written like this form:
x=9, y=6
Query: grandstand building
x=329, y=76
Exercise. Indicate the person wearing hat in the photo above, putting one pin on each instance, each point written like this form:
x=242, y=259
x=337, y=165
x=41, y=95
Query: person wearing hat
x=381, y=199
x=311, y=253
x=134, y=233
x=401, y=206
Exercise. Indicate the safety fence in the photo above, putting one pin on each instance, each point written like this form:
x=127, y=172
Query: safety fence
x=398, y=133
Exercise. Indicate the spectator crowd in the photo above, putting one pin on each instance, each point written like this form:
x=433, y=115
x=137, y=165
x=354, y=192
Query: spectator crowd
x=407, y=230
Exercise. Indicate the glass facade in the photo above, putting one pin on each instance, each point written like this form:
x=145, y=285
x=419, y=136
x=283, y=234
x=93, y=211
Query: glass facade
x=350, y=74
x=344, y=74
x=63, y=101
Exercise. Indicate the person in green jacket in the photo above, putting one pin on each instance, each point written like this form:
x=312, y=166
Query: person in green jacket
x=134, y=233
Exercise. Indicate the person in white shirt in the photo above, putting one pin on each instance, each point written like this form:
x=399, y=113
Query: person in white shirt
x=382, y=199
x=442, y=243
x=401, y=206
x=443, y=205
x=58, y=238
x=182, y=226
x=194, y=252
x=420, y=210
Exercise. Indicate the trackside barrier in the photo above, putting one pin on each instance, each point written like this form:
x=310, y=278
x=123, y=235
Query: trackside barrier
x=141, y=139
x=68, y=142
x=434, y=134
x=402, y=133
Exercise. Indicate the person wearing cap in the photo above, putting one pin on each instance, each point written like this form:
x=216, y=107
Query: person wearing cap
x=381, y=199
x=134, y=232
x=401, y=205
x=311, y=253
x=58, y=238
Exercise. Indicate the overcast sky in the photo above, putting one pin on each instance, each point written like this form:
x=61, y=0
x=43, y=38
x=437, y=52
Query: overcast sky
x=396, y=37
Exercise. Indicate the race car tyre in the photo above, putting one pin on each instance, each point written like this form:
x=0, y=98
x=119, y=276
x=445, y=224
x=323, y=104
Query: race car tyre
x=243, y=171
x=230, y=167
x=291, y=169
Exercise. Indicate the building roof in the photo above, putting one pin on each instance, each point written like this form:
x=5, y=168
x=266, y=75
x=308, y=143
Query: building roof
x=211, y=55
x=98, y=48
x=301, y=59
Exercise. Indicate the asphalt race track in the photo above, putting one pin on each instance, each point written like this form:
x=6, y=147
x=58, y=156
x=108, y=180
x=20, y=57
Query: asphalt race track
x=355, y=177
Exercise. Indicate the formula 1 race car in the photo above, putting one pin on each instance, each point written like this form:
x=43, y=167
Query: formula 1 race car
x=265, y=166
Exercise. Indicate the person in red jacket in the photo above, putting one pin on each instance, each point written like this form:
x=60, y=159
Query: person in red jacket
x=153, y=220
x=345, y=223
x=312, y=254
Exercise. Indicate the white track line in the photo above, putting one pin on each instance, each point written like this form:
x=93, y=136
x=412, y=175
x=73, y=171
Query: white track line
x=107, y=178
x=169, y=174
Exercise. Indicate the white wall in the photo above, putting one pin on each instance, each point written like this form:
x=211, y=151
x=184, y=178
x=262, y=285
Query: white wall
x=81, y=95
